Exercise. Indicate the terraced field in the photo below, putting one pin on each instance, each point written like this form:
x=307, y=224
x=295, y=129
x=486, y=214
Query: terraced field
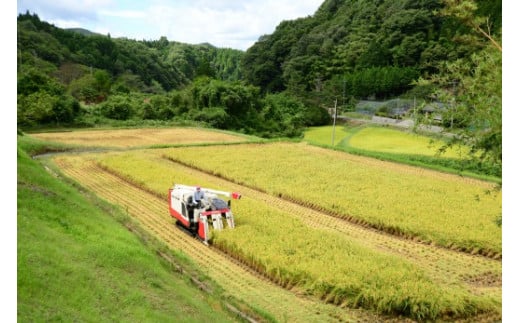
x=479, y=276
x=236, y=278
x=382, y=139
x=441, y=208
x=125, y=138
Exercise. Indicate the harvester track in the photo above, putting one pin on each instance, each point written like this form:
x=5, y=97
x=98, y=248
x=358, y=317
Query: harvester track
x=237, y=279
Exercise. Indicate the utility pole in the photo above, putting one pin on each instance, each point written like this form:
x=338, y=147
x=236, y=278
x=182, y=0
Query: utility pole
x=344, y=92
x=454, y=105
x=19, y=68
x=334, y=120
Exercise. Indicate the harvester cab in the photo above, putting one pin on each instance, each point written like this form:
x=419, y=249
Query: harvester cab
x=198, y=217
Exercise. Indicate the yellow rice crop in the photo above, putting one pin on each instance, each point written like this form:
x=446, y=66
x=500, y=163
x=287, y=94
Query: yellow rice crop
x=444, y=209
x=124, y=138
x=395, y=141
x=322, y=263
x=323, y=135
x=384, y=140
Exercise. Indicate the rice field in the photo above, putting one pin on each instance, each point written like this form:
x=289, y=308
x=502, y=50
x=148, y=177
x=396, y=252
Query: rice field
x=306, y=224
x=384, y=140
x=398, y=142
x=325, y=264
x=323, y=135
x=438, y=208
x=125, y=138
x=238, y=280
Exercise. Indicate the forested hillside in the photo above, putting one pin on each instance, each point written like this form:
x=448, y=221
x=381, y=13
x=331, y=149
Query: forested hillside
x=349, y=50
x=361, y=48
x=158, y=65
x=74, y=77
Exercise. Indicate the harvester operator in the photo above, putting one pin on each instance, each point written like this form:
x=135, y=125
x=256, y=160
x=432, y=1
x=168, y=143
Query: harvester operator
x=198, y=195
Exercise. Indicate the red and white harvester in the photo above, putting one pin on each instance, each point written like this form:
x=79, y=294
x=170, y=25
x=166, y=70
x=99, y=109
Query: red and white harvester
x=197, y=217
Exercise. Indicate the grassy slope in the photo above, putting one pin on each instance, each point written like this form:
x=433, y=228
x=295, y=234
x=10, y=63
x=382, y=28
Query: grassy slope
x=76, y=263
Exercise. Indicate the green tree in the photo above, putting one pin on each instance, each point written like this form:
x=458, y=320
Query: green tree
x=35, y=108
x=42, y=100
x=239, y=101
x=102, y=83
x=66, y=110
x=471, y=86
x=44, y=108
x=118, y=107
x=158, y=107
x=84, y=89
x=466, y=12
x=214, y=116
x=286, y=115
x=205, y=69
x=33, y=80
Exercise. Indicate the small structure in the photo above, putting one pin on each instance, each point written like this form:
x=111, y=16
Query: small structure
x=435, y=110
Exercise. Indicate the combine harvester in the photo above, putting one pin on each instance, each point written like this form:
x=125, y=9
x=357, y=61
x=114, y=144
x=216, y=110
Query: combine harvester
x=197, y=216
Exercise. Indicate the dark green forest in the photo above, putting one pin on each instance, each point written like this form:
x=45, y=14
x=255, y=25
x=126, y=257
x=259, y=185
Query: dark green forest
x=349, y=49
